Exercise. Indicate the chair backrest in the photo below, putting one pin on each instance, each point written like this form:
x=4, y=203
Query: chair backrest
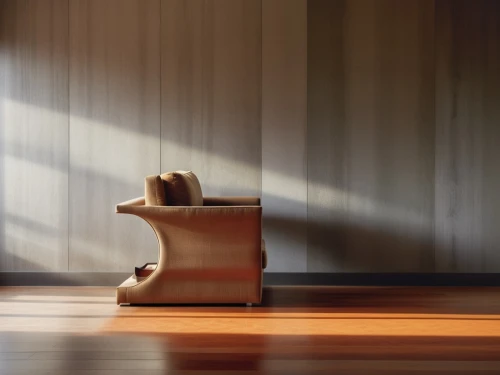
x=179, y=188
x=182, y=189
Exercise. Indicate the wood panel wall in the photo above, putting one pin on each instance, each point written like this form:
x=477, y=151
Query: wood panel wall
x=284, y=133
x=115, y=129
x=468, y=136
x=369, y=127
x=370, y=135
x=211, y=93
x=33, y=135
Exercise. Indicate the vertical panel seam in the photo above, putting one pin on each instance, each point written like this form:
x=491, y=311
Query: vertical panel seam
x=69, y=139
x=306, y=143
x=262, y=174
x=262, y=106
x=435, y=137
x=161, y=80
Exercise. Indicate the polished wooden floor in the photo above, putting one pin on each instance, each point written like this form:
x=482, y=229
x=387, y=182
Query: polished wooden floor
x=297, y=330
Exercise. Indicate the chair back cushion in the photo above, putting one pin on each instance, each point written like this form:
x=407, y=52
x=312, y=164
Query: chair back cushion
x=182, y=189
x=154, y=191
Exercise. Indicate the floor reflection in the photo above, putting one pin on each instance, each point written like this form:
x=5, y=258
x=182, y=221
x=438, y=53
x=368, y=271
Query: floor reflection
x=294, y=331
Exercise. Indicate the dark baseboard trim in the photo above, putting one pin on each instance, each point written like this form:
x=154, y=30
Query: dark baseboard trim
x=63, y=278
x=317, y=279
x=383, y=279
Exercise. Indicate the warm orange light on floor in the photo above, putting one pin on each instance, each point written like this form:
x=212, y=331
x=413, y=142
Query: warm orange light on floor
x=294, y=331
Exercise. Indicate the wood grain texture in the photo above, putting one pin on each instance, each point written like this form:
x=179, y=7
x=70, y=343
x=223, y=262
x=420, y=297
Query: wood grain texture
x=284, y=131
x=468, y=135
x=211, y=93
x=297, y=330
x=33, y=135
x=370, y=135
x=115, y=129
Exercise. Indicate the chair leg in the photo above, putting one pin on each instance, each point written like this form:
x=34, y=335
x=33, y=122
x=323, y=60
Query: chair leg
x=249, y=304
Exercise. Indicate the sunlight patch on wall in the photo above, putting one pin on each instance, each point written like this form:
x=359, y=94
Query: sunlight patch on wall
x=34, y=187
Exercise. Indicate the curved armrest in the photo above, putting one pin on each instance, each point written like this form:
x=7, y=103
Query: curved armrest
x=231, y=201
x=122, y=207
